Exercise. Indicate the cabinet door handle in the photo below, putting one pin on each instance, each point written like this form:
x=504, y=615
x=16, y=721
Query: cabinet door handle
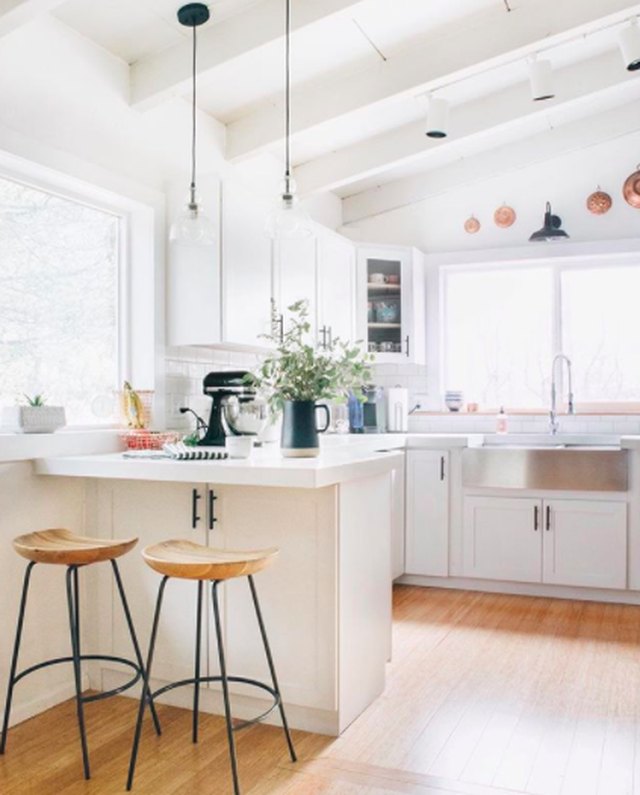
x=536, y=517
x=330, y=331
x=195, y=516
x=441, y=467
x=281, y=327
x=547, y=521
x=212, y=512
x=323, y=331
x=407, y=344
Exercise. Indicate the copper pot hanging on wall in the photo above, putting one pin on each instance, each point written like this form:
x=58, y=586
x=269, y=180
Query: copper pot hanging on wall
x=599, y=202
x=631, y=189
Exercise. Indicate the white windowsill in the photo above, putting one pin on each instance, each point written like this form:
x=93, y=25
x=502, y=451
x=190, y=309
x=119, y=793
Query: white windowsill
x=26, y=446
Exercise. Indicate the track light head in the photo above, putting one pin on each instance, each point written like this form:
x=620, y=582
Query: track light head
x=541, y=79
x=630, y=45
x=437, y=118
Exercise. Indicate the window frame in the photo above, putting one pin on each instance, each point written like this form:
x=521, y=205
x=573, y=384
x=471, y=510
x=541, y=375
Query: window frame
x=558, y=258
x=137, y=349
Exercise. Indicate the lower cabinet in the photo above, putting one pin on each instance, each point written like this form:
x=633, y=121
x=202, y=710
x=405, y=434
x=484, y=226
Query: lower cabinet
x=427, y=513
x=555, y=541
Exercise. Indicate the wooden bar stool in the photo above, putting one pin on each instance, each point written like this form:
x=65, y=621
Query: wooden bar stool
x=64, y=548
x=187, y=560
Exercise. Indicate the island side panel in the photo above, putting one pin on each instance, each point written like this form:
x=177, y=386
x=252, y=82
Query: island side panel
x=365, y=592
x=297, y=594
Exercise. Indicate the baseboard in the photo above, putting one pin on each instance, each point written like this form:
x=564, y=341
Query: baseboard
x=523, y=589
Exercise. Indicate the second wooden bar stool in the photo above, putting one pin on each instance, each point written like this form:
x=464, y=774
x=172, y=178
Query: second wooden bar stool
x=187, y=560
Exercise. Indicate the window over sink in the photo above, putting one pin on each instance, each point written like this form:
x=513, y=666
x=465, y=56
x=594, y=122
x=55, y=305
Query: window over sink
x=60, y=262
x=502, y=323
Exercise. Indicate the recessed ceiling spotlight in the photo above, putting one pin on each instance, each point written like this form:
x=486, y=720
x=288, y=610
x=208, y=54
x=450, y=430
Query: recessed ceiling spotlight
x=541, y=79
x=630, y=45
x=437, y=118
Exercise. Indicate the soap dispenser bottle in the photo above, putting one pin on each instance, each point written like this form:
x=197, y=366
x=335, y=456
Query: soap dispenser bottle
x=502, y=421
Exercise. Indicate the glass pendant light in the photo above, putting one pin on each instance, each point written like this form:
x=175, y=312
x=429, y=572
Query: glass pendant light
x=288, y=219
x=192, y=227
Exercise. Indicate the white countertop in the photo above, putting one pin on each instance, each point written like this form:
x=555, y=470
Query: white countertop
x=266, y=467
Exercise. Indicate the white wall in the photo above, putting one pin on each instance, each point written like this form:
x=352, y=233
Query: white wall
x=436, y=223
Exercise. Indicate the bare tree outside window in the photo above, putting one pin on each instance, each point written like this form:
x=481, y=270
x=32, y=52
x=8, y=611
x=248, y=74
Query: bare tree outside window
x=58, y=301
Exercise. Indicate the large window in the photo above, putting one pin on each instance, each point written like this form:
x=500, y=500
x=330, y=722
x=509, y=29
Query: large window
x=59, y=263
x=501, y=327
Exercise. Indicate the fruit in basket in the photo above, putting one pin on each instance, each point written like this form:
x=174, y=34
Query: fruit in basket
x=132, y=407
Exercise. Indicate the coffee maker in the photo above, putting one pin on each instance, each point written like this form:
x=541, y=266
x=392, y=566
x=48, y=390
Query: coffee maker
x=228, y=391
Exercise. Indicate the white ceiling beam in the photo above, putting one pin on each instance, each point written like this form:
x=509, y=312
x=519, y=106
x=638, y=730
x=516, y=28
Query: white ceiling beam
x=578, y=86
x=484, y=40
x=164, y=74
x=511, y=158
x=16, y=13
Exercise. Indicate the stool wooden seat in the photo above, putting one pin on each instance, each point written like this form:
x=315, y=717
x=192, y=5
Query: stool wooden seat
x=68, y=549
x=187, y=560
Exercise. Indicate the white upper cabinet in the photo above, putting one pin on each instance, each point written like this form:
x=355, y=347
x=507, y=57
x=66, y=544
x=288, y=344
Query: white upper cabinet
x=336, y=288
x=391, y=303
x=295, y=276
x=246, y=269
x=427, y=512
x=585, y=543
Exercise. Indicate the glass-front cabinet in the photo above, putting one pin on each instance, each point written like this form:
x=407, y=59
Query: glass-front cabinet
x=391, y=303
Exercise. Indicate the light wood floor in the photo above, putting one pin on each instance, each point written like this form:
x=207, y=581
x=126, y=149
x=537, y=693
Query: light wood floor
x=487, y=695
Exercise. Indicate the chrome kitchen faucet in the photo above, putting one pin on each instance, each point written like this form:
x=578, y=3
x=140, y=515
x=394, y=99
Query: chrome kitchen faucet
x=553, y=419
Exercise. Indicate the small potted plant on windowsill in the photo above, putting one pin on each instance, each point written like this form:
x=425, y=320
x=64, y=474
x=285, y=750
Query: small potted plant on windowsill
x=298, y=375
x=34, y=416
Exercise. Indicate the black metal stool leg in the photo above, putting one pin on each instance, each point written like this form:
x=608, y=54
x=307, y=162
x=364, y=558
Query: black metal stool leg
x=14, y=658
x=272, y=668
x=196, y=689
x=146, y=687
x=74, y=626
x=136, y=645
x=225, y=687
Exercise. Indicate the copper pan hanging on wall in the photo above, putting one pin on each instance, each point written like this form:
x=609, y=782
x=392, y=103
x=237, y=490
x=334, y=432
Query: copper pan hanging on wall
x=631, y=189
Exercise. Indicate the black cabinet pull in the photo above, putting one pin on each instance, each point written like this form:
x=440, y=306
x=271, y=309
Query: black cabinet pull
x=195, y=516
x=407, y=343
x=281, y=327
x=212, y=513
x=536, y=517
x=548, y=518
x=441, y=467
x=330, y=336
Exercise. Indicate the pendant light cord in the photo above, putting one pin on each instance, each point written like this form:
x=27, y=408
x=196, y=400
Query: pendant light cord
x=287, y=173
x=192, y=189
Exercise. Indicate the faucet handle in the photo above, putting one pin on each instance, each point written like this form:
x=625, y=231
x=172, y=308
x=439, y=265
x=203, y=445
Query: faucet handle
x=571, y=406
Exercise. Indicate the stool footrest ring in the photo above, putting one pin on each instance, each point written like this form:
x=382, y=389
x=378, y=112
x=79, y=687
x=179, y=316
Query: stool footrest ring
x=239, y=679
x=86, y=657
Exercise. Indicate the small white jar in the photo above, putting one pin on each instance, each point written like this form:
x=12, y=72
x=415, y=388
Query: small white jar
x=239, y=446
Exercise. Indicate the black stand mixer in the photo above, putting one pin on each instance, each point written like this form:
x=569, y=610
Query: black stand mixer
x=231, y=414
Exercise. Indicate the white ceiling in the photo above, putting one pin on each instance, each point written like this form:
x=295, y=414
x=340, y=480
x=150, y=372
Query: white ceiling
x=365, y=37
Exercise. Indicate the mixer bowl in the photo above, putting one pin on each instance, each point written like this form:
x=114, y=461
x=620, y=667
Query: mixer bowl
x=244, y=417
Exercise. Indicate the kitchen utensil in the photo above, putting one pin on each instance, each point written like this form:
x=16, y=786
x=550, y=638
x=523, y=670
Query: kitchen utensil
x=631, y=189
x=244, y=417
x=377, y=278
x=397, y=409
x=599, y=202
x=472, y=225
x=504, y=216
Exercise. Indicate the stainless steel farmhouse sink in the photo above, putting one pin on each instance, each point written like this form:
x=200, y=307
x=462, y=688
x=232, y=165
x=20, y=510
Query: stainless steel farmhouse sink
x=554, y=463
